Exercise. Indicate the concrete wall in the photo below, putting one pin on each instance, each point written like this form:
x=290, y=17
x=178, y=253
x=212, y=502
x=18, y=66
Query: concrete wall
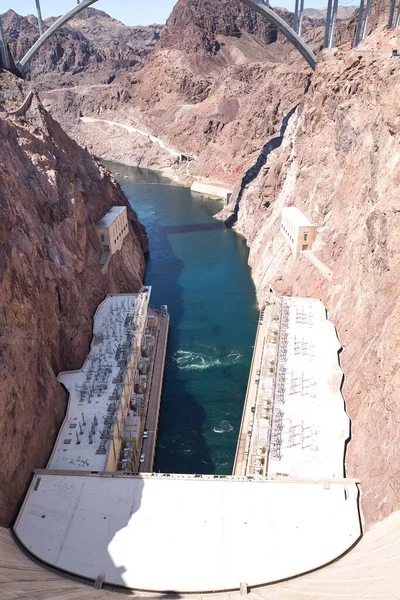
x=111, y=238
x=300, y=237
x=369, y=571
x=211, y=189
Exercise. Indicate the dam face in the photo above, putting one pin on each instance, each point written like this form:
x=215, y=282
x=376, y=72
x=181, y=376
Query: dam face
x=186, y=533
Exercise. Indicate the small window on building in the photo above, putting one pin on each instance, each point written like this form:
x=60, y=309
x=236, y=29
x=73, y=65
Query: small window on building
x=304, y=247
x=305, y=237
x=102, y=237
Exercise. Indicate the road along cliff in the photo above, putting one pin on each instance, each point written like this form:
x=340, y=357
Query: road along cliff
x=52, y=192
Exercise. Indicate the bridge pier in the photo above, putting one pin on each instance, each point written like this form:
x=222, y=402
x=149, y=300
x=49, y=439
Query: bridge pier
x=397, y=16
x=4, y=56
x=391, y=15
x=300, y=25
x=328, y=23
x=367, y=11
x=359, y=24
x=39, y=16
x=333, y=24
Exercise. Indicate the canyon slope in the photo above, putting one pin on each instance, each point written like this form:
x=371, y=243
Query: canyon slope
x=339, y=164
x=217, y=85
x=93, y=47
x=223, y=86
x=52, y=192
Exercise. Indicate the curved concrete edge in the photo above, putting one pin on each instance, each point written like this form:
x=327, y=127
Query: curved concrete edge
x=84, y=580
x=118, y=549
x=288, y=32
x=49, y=32
x=369, y=570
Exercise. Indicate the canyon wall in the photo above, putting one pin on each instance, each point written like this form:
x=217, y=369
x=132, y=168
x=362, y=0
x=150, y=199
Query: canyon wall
x=339, y=164
x=52, y=193
x=217, y=86
x=92, y=47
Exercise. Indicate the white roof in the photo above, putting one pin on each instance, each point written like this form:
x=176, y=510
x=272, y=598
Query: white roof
x=315, y=425
x=185, y=533
x=95, y=386
x=296, y=216
x=110, y=217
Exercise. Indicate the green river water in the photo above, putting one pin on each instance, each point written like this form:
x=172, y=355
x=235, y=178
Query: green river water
x=199, y=269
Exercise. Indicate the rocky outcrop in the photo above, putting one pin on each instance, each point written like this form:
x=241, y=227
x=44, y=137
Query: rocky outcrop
x=93, y=47
x=51, y=195
x=215, y=87
x=339, y=164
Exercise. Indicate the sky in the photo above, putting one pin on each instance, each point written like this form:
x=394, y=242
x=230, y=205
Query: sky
x=130, y=12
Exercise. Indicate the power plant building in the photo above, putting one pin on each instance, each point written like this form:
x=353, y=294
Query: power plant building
x=298, y=230
x=112, y=229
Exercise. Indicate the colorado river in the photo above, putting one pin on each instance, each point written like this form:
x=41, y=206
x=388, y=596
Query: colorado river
x=199, y=269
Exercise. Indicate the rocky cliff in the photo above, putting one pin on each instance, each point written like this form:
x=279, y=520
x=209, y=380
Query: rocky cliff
x=339, y=164
x=51, y=195
x=93, y=47
x=217, y=86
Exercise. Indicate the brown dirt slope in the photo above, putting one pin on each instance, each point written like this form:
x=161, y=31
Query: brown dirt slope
x=51, y=195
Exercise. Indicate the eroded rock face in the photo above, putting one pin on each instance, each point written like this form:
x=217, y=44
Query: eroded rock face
x=51, y=195
x=216, y=86
x=93, y=47
x=339, y=164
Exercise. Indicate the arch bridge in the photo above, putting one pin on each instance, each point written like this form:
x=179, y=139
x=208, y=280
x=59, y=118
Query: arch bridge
x=293, y=34
x=260, y=6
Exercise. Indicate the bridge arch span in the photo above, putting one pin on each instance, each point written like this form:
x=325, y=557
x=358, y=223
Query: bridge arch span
x=258, y=5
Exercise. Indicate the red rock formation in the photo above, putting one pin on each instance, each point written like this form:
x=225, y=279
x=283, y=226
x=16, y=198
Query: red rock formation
x=93, y=47
x=51, y=195
x=339, y=163
x=215, y=86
